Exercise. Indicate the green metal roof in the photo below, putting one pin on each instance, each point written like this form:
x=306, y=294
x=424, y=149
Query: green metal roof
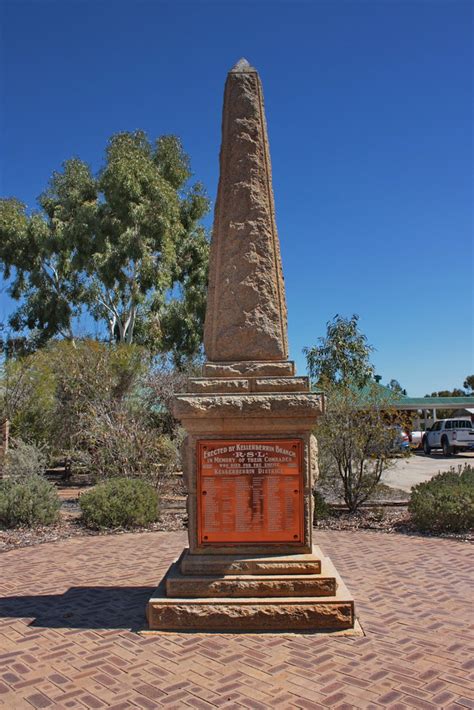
x=435, y=402
x=404, y=402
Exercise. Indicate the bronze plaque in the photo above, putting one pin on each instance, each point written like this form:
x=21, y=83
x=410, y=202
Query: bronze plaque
x=250, y=491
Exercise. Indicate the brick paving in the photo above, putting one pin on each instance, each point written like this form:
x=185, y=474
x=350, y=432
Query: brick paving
x=70, y=611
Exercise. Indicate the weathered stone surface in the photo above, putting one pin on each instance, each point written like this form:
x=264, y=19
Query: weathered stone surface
x=283, y=368
x=251, y=564
x=251, y=614
x=313, y=455
x=246, y=309
x=232, y=385
x=296, y=616
x=220, y=385
x=280, y=384
x=251, y=405
x=181, y=586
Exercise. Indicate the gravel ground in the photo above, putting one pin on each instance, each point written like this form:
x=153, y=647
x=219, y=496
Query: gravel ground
x=386, y=520
x=71, y=527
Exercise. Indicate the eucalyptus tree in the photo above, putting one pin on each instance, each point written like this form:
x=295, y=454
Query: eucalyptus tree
x=342, y=356
x=355, y=434
x=124, y=244
x=43, y=277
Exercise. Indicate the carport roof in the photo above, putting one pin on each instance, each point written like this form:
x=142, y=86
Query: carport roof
x=433, y=402
x=404, y=402
x=386, y=395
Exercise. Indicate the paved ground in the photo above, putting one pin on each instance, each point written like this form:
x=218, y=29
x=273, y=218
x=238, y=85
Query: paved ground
x=406, y=473
x=70, y=610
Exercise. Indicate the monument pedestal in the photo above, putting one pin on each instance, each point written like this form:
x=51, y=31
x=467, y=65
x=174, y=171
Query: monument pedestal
x=287, y=601
x=251, y=564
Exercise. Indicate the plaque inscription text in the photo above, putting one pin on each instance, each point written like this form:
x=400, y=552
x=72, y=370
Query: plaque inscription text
x=250, y=491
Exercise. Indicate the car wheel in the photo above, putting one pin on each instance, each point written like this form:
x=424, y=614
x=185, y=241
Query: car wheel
x=426, y=446
x=447, y=450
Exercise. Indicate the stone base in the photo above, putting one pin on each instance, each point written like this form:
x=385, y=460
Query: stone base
x=249, y=602
x=251, y=564
x=250, y=585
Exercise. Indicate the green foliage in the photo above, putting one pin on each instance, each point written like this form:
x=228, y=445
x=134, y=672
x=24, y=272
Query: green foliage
x=396, y=388
x=469, y=384
x=123, y=244
x=120, y=442
x=23, y=460
x=36, y=252
x=342, y=357
x=46, y=394
x=446, y=502
x=355, y=441
x=29, y=501
x=456, y=392
x=322, y=509
x=119, y=502
x=106, y=407
x=27, y=397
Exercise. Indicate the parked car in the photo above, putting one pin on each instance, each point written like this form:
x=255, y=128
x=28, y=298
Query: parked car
x=416, y=439
x=401, y=440
x=450, y=435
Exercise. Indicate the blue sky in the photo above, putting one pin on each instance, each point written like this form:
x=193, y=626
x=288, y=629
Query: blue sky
x=369, y=107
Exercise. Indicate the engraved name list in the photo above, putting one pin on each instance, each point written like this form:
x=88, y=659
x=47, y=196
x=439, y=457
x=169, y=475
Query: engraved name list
x=250, y=491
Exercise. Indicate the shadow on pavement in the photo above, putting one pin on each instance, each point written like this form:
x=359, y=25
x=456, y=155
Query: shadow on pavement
x=83, y=608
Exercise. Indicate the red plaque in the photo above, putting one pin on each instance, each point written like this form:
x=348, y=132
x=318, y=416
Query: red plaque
x=250, y=491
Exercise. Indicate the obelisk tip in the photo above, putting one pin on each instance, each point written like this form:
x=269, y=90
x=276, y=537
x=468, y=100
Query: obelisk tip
x=242, y=66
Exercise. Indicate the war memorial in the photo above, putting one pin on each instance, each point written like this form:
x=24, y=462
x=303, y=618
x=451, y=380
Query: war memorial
x=249, y=458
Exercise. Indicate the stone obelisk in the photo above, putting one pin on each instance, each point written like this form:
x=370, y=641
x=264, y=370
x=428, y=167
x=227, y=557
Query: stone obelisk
x=249, y=457
x=246, y=314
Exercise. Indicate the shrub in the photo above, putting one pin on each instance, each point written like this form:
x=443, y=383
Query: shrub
x=105, y=407
x=31, y=501
x=446, y=502
x=23, y=460
x=119, y=442
x=119, y=502
x=322, y=509
x=355, y=443
x=44, y=394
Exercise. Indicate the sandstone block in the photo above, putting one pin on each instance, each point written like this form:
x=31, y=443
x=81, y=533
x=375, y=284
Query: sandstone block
x=282, y=368
x=299, y=585
x=251, y=405
x=280, y=384
x=202, y=565
x=219, y=385
x=251, y=614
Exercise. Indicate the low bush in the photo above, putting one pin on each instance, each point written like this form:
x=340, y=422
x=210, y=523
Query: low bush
x=29, y=501
x=119, y=502
x=23, y=460
x=322, y=509
x=120, y=442
x=446, y=502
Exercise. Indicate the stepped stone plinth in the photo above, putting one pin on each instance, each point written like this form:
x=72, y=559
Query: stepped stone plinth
x=249, y=457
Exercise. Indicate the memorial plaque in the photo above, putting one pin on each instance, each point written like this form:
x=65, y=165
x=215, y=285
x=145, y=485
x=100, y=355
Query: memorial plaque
x=250, y=491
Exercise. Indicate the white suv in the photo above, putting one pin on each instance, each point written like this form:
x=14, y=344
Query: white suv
x=451, y=435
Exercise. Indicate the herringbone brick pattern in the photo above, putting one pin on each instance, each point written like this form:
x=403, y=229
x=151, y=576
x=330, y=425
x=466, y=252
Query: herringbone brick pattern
x=71, y=609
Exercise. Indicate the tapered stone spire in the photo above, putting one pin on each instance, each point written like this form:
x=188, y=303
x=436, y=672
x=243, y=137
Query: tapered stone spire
x=246, y=311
